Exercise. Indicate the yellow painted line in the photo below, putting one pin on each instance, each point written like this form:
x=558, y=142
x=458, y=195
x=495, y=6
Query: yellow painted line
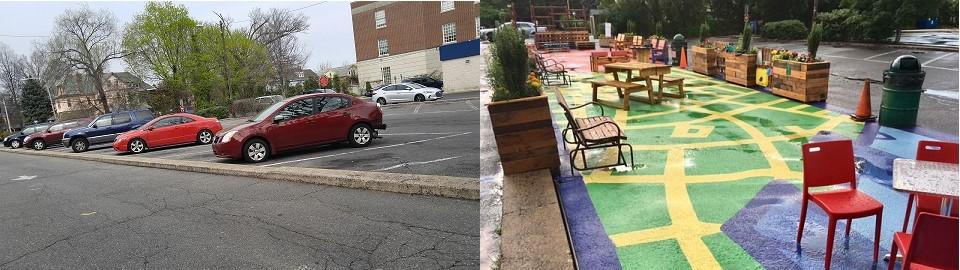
x=714, y=115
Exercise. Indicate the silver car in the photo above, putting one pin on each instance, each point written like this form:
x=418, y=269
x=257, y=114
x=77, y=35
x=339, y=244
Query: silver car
x=404, y=92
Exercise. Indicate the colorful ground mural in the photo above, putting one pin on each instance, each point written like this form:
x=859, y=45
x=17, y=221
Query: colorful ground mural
x=717, y=183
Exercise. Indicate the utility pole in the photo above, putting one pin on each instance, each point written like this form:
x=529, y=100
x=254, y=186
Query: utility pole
x=814, y=18
x=6, y=115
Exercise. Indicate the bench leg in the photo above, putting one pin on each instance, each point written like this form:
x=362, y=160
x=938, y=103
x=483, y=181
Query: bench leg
x=594, y=91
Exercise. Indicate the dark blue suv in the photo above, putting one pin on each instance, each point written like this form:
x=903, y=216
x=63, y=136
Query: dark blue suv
x=105, y=128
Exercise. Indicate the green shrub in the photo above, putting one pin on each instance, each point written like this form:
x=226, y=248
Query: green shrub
x=788, y=29
x=745, y=38
x=508, y=68
x=704, y=32
x=813, y=41
x=842, y=25
x=220, y=112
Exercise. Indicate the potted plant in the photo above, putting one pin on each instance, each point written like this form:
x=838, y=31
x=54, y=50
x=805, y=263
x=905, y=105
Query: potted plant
x=705, y=54
x=519, y=113
x=801, y=77
x=741, y=65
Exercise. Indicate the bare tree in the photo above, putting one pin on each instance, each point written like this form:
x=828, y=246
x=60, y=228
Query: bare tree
x=88, y=40
x=276, y=30
x=12, y=72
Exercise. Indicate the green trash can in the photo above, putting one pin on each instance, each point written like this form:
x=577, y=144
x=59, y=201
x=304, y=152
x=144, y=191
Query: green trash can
x=902, y=86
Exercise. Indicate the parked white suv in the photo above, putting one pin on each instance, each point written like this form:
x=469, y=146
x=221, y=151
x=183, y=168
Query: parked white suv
x=404, y=92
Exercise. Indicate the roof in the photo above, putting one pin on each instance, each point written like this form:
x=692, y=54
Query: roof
x=342, y=70
x=128, y=77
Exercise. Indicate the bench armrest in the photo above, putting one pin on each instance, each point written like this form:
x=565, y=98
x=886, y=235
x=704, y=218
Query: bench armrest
x=589, y=103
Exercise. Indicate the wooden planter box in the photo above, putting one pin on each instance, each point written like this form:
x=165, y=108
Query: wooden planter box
x=740, y=69
x=807, y=82
x=525, y=136
x=605, y=42
x=705, y=61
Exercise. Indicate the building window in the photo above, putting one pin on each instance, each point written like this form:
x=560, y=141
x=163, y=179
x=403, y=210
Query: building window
x=446, y=6
x=449, y=33
x=477, y=23
x=383, y=48
x=381, y=19
x=385, y=72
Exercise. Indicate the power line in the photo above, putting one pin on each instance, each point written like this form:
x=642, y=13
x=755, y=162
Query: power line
x=22, y=36
x=292, y=10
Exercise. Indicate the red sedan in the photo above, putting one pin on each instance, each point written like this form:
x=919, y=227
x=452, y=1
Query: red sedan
x=53, y=135
x=168, y=130
x=299, y=122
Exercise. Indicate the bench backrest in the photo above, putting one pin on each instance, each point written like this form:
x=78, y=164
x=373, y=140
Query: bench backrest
x=577, y=134
x=620, y=53
x=637, y=40
x=598, y=54
x=620, y=37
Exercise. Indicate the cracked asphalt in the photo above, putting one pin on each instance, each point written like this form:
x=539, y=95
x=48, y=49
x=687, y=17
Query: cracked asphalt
x=86, y=215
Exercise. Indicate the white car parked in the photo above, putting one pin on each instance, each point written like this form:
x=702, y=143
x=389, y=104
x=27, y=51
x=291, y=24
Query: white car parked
x=404, y=92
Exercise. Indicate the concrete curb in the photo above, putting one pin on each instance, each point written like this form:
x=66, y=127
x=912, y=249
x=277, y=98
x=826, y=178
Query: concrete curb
x=431, y=185
x=431, y=102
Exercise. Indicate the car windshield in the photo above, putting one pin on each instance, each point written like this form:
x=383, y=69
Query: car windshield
x=266, y=112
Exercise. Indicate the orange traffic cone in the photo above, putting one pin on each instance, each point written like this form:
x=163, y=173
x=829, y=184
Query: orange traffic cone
x=863, y=109
x=683, y=57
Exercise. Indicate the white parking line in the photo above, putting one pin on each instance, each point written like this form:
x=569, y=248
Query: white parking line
x=421, y=133
x=887, y=62
x=365, y=149
x=414, y=163
x=416, y=110
x=471, y=105
x=186, y=154
x=434, y=112
x=935, y=59
x=880, y=54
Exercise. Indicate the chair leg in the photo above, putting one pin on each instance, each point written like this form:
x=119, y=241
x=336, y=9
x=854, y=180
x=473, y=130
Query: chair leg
x=906, y=217
x=876, y=238
x=831, y=231
x=849, y=221
x=803, y=219
x=893, y=256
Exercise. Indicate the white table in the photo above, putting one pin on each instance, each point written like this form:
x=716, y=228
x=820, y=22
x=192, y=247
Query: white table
x=926, y=178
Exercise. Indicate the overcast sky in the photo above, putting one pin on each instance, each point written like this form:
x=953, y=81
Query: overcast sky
x=329, y=39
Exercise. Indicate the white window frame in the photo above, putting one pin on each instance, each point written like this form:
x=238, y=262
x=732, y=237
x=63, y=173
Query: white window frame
x=452, y=30
x=447, y=6
x=383, y=48
x=477, y=24
x=386, y=75
x=381, y=18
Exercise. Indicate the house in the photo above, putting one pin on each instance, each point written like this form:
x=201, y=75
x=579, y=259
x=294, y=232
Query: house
x=347, y=74
x=76, y=96
x=295, y=79
x=394, y=40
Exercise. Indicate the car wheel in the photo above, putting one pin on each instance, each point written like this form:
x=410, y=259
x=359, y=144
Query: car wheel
x=360, y=135
x=15, y=144
x=256, y=150
x=39, y=145
x=204, y=137
x=79, y=145
x=419, y=98
x=136, y=146
x=382, y=101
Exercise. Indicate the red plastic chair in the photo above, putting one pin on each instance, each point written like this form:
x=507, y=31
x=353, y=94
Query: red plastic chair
x=831, y=163
x=946, y=152
x=933, y=244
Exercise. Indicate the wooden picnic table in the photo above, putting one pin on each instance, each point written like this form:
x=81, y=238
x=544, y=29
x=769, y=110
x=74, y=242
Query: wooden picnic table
x=644, y=72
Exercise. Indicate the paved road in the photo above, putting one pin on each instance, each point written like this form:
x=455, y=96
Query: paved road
x=432, y=138
x=70, y=214
x=938, y=105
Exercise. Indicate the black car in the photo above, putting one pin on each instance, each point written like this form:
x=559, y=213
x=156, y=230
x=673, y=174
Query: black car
x=15, y=140
x=427, y=81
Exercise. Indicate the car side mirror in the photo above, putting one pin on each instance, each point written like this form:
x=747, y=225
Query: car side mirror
x=279, y=118
x=150, y=128
x=94, y=126
x=48, y=131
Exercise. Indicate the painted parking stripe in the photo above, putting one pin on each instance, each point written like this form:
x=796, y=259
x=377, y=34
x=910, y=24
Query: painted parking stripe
x=935, y=59
x=418, y=133
x=365, y=149
x=887, y=62
x=433, y=112
x=186, y=154
x=405, y=164
x=471, y=105
x=880, y=54
x=417, y=109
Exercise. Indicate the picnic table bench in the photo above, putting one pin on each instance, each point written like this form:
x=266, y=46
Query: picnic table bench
x=595, y=132
x=625, y=87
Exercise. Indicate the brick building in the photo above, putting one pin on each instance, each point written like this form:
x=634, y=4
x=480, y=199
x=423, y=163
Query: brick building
x=395, y=40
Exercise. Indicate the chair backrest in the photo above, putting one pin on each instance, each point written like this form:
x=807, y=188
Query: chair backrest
x=934, y=242
x=619, y=53
x=598, y=54
x=946, y=152
x=620, y=37
x=828, y=163
x=637, y=40
x=568, y=114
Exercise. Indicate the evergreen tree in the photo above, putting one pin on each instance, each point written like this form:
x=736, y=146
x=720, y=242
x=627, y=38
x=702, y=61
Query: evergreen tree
x=35, y=103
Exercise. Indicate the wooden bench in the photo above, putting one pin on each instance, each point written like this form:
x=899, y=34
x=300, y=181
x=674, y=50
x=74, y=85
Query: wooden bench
x=595, y=132
x=667, y=82
x=598, y=59
x=624, y=89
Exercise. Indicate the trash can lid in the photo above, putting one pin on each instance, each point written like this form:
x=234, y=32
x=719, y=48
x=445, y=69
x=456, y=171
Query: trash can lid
x=679, y=37
x=905, y=64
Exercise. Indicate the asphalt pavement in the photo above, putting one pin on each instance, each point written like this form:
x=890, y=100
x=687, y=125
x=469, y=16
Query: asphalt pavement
x=72, y=214
x=432, y=138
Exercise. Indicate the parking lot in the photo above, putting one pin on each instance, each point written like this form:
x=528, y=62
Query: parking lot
x=433, y=138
